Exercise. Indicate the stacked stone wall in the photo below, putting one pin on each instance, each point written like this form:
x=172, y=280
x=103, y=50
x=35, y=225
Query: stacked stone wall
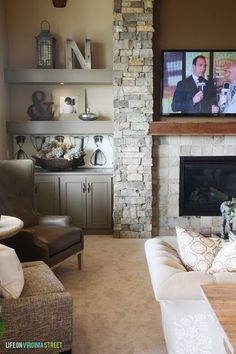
x=133, y=109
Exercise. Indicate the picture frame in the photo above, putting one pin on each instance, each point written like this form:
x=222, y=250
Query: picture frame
x=176, y=93
x=68, y=103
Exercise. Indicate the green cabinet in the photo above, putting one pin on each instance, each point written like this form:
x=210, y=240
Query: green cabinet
x=73, y=198
x=47, y=197
x=85, y=197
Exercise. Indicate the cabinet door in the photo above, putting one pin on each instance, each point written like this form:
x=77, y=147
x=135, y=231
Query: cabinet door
x=99, y=202
x=73, y=198
x=47, y=195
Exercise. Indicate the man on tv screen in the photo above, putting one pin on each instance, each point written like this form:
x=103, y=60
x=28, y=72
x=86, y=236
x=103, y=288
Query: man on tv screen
x=195, y=94
x=227, y=100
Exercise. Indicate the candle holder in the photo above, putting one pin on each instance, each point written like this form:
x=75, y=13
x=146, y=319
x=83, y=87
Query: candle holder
x=46, y=47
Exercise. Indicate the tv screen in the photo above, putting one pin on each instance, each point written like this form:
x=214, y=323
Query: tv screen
x=198, y=83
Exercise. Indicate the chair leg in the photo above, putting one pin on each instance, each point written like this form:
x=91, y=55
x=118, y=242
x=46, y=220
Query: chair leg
x=80, y=260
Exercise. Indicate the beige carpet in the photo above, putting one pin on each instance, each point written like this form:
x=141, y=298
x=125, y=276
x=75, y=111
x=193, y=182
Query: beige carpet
x=114, y=308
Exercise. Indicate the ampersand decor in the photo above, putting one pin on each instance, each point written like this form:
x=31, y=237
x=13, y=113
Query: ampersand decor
x=40, y=109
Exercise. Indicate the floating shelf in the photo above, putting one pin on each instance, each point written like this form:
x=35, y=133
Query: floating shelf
x=60, y=127
x=57, y=76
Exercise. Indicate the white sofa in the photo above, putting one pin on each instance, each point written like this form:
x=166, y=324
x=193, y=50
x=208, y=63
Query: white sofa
x=188, y=323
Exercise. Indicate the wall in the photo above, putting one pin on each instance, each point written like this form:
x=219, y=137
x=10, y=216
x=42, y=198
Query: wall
x=184, y=25
x=78, y=20
x=204, y=24
x=3, y=92
x=99, y=160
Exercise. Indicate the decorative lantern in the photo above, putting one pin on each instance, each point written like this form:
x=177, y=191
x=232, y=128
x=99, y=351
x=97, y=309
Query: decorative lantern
x=46, y=47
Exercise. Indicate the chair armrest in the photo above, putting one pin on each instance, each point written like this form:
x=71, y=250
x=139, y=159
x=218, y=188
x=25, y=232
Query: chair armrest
x=170, y=280
x=31, y=264
x=182, y=286
x=55, y=220
x=27, y=246
x=34, y=300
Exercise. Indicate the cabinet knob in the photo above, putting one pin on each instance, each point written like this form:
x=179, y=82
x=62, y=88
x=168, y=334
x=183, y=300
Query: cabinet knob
x=84, y=187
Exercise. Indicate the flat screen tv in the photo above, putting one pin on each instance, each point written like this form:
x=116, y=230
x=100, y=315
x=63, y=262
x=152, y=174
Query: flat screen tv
x=198, y=83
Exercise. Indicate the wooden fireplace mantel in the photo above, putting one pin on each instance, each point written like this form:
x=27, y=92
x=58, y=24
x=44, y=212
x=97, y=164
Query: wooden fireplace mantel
x=193, y=127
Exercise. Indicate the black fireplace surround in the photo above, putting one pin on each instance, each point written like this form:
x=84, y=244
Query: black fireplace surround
x=205, y=182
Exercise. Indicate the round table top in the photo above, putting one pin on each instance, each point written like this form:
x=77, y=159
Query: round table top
x=9, y=226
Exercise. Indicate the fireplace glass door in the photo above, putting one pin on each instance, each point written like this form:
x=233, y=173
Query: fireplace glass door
x=205, y=182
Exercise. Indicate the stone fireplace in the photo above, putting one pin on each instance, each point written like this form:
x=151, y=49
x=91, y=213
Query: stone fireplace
x=146, y=168
x=167, y=151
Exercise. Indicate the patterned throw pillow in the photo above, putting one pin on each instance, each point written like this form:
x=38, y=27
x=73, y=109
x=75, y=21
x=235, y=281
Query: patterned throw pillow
x=197, y=252
x=11, y=273
x=225, y=260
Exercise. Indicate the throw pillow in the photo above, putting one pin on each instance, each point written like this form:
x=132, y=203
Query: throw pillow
x=225, y=260
x=11, y=273
x=197, y=252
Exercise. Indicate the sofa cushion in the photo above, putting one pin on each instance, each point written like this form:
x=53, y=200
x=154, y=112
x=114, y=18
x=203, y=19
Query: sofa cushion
x=197, y=251
x=11, y=273
x=57, y=238
x=225, y=260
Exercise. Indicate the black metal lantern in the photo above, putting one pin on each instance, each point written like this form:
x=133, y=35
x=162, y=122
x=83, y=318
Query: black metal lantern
x=46, y=47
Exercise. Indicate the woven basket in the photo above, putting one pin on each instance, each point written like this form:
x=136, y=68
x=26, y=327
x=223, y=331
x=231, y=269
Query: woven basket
x=57, y=165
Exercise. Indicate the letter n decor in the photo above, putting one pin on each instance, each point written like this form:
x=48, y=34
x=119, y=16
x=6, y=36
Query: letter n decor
x=85, y=62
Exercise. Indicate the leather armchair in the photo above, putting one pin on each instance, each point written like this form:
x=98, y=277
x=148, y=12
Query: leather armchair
x=43, y=313
x=48, y=238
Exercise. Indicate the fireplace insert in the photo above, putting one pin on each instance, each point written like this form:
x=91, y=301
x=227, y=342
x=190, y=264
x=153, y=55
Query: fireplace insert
x=205, y=182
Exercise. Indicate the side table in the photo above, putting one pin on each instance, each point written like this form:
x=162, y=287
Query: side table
x=222, y=300
x=9, y=226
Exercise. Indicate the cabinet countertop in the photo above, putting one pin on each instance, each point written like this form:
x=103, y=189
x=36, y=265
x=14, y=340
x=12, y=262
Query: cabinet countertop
x=90, y=171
